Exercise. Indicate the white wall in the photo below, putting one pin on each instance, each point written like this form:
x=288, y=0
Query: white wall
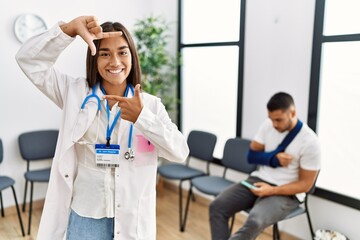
x=278, y=45
x=23, y=107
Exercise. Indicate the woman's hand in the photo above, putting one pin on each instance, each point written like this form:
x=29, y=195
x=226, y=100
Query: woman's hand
x=130, y=107
x=89, y=29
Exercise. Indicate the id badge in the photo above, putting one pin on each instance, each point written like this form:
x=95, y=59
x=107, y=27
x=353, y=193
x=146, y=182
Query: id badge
x=107, y=156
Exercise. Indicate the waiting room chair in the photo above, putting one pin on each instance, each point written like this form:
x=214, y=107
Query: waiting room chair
x=36, y=146
x=6, y=182
x=235, y=158
x=201, y=145
x=303, y=208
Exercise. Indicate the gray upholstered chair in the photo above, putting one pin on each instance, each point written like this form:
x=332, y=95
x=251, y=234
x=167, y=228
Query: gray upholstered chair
x=36, y=146
x=6, y=182
x=234, y=157
x=302, y=209
x=201, y=145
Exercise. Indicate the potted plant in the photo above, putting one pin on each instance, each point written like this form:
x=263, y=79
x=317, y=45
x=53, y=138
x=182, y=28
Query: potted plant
x=157, y=65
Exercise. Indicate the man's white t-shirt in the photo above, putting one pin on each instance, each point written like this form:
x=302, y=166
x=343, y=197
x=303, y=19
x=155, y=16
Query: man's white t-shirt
x=305, y=149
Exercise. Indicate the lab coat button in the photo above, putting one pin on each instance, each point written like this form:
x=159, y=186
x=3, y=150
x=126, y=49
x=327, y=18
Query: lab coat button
x=66, y=175
x=118, y=205
x=118, y=232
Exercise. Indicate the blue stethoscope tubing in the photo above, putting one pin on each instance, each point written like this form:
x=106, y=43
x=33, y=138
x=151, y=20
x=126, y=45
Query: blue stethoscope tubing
x=92, y=95
x=109, y=129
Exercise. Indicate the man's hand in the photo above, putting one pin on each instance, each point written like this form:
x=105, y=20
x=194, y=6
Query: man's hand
x=130, y=107
x=284, y=158
x=89, y=29
x=262, y=189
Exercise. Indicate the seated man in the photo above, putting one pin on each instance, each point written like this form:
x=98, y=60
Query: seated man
x=288, y=155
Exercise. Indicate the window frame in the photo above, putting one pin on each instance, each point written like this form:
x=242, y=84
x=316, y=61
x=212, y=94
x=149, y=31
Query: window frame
x=318, y=40
x=241, y=46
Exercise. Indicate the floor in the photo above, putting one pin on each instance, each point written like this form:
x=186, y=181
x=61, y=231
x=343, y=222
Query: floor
x=197, y=227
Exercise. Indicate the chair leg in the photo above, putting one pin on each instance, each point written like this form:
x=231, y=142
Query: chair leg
x=18, y=212
x=2, y=205
x=193, y=197
x=180, y=206
x=190, y=194
x=30, y=207
x=309, y=221
x=25, y=192
x=183, y=216
x=276, y=234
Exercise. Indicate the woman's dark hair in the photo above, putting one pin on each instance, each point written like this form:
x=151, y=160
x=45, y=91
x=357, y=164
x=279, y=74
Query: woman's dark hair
x=92, y=74
x=280, y=101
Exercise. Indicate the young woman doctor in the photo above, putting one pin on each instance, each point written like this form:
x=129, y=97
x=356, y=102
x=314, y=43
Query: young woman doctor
x=103, y=176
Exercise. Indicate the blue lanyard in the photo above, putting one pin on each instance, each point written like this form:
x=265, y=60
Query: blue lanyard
x=109, y=128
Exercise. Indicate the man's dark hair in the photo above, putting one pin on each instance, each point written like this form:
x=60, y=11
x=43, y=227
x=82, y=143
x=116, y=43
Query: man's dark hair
x=280, y=101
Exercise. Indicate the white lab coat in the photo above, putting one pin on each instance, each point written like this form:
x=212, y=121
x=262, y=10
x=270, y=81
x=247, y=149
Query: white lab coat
x=135, y=194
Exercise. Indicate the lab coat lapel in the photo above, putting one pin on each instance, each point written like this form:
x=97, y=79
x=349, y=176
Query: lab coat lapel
x=86, y=116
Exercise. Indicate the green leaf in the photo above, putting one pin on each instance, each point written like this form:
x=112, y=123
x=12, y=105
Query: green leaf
x=158, y=67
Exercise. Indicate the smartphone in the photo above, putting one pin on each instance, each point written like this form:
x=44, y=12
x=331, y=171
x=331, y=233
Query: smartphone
x=248, y=185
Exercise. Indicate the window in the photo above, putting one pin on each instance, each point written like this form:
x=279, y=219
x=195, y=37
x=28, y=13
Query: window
x=336, y=114
x=211, y=47
x=341, y=17
x=219, y=21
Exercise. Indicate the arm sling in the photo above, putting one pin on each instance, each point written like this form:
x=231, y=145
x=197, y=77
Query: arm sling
x=269, y=158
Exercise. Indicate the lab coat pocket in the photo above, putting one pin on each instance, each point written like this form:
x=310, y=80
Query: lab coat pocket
x=147, y=217
x=145, y=152
x=144, y=145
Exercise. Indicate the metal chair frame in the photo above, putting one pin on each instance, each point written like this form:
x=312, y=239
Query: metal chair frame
x=11, y=184
x=297, y=212
x=235, y=149
x=35, y=146
x=201, y=145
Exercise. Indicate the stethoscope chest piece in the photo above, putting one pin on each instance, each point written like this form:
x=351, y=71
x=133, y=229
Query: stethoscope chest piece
x=129, y=155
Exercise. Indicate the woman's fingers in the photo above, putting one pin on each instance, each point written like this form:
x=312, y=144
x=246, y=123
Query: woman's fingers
x=89, y=29
x=112, y=34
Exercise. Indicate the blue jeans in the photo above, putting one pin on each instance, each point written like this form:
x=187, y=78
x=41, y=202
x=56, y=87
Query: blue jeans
x=83, y=228
x=265, y=211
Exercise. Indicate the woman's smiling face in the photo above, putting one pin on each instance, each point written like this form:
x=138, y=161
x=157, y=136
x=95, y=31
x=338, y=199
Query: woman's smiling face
x=114, y=60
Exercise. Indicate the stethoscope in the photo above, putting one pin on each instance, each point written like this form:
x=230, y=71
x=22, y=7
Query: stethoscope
x=129, y=155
